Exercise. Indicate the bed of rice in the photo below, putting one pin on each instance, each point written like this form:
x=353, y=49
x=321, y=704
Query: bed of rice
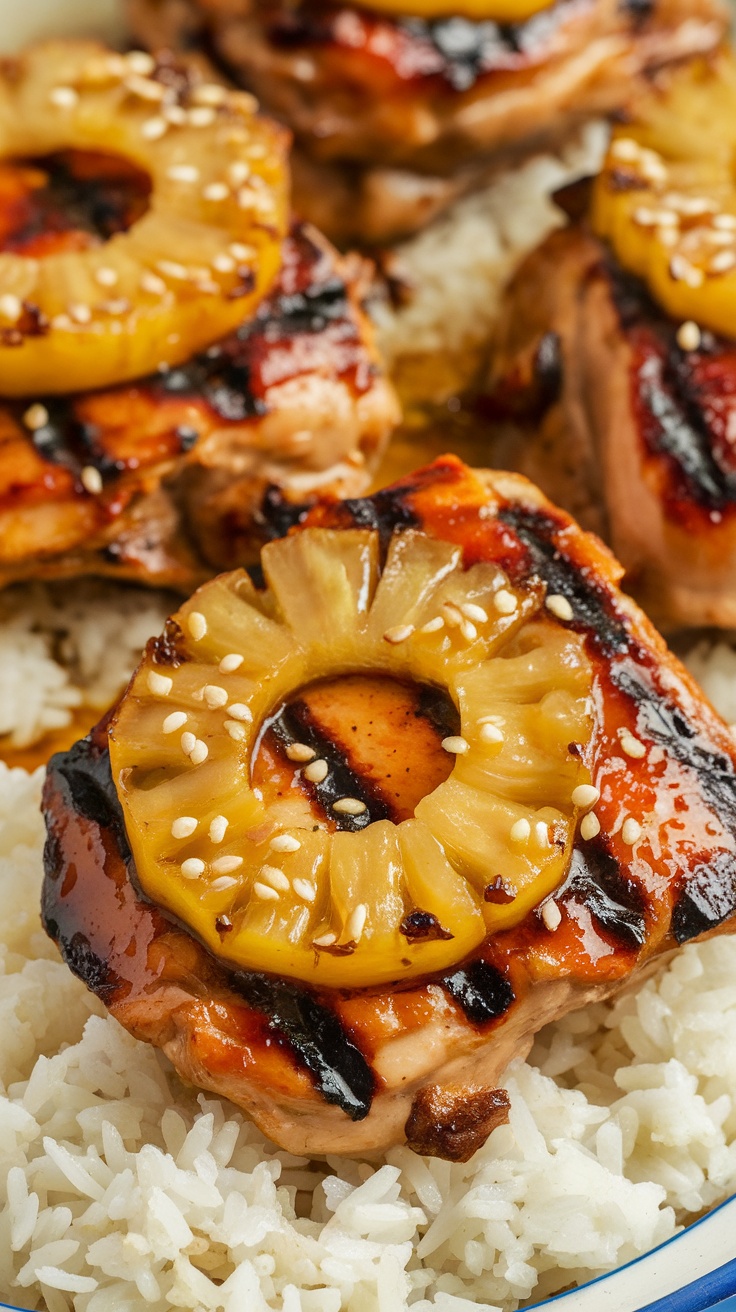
x=126, y=1191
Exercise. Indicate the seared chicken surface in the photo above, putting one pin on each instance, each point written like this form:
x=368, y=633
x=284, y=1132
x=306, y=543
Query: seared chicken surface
x=366, y=821
x=415, y=111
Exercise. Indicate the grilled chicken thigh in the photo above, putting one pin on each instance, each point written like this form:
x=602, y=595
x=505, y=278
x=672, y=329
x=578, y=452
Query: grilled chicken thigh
x=364, y=822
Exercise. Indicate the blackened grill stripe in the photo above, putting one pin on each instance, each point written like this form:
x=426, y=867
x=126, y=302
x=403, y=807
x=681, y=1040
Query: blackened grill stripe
x=483, y=993
x=683, y=433
x=595, y=879
x=707, y=899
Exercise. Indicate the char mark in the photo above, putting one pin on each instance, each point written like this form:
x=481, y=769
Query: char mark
x=483, y=993
x=316, y=1037
x=707, y=898
x=616, y=903
x=594, y=611
x=388, y=511
x=84, y=775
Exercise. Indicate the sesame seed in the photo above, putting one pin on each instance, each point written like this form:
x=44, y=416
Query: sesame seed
x=284, y=843
x=303, y=889
x=224, y=865
x=209, y=93
x=237, y=731
x=356, y=922
x=63, y=97
x=62, y=322
x=590, y=826
x=230, y=663
x=170, y=269
x=215, y=696
x=105, y=276
x=681, y=270
x=79, y=313
x=188, y=741
x=316, y=772
x=631, y=746
x=433, y=626
x=119, y=306
x=202, y=116
x=153, y=129
x=174, y=721
x=139, y=61
x=277, y=879
x=207, y=287
x=473, y=612
x=630, y=831
x=626, y=148
x=585, y=796
x=175, y=115
x=144, y=88
x=468, y=631
x=217, y=191
x=197, y=625
x=265, y=893
x=453, y=614
x=183, y=173
x=504, y=602
x=688, y=336
x=192, y=868
x=552, y=916
x=223, y=263
x=520, y=831
x=324, y=941
x=36, y=416
x=11, y=307
x=238, y=173
x=239, y=711
x=723, y=262
x=455, y=744
x=490, y=733
x=91, y=479
x=218, y=828
x=184, y=826
x=541, y=829
x=725, y=222
x=695, y=205
x=300, y=752
x=199, y=752
x=220, y=885
x=151, y=283
x=349, y=806
x=399, y=633
x=160, y=684
x=559, y=606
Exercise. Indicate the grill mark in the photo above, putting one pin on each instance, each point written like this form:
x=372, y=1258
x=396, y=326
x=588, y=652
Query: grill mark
x=317, y=1038
x=480, y=990
x=595, y=880
x=707, y=899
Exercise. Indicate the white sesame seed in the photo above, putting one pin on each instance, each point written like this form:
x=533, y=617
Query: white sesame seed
x=265, y=893
x=151, y=283
x=324, y=941
x=188, y=742
x=552, y=916
x=153, y=129
x=175, y=115
x=303, y=889
x=559, y=606
x=630, y=831
x=490, y=733
x=723, y=262
x=276, y=878
x=63, y=97
x=62, y=322
x=105, y=276
x=230, y=663
x=349, y=806
x=160, y=684
x=237, y=731
x=239, y=711
x=184, y=826
x=183, y=173
x=11, y=307
x=223, y=263
x=217, y=191
x=688, y=336
x=473, y=612
x=116, y=307
x=455, y=744
x=453, y=614
x=468, y=631
x=144, y=88
x=79, y=313
x=225, y=865
x=356, y=922
x=202, y=116
x=399, y=633
x=175, y=721
x=199, y=752
x=585, y=796
x=626, y=148
x=139, y=61
x=209, y=93
x=197, y=625
x=214, y=696
x=171, y=269
x=541, y=829
x=725, y=222
x=300, y=752
x=434, y=625
x=631, y=746
x=91, y=480
x=284, y=843
x=241, y=252
x=207, y=287
x=520, y=831
x=36, y=416
x=590, y=826
x=504, y=602
x=218, y=828
x=238, y=173
x=221, y=884
x=192, y=868
x=316, y=772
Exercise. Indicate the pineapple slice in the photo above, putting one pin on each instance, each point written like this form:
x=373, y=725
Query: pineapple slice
x=666, y=198
x=189, y=271
x=497, y=11
x=253, y=820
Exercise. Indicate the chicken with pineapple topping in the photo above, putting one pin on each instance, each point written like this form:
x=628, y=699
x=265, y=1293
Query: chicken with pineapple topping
x=617, y=359
x=368, y=817
x=170, y=351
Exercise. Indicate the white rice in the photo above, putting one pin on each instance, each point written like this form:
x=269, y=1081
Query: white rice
x=456, y=269
x=125, y=1191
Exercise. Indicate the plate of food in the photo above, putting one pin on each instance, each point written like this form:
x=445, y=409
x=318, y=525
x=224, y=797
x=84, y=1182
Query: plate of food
x=368, y=855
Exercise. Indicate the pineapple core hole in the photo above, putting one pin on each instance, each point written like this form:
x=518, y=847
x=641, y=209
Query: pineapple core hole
x=380, y=740
x=74, y=200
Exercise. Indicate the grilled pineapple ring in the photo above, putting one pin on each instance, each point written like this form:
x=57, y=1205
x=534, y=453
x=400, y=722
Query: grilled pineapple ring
x=498, y=11
x=666, y=198
x=259, y=881
x=188, y=271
